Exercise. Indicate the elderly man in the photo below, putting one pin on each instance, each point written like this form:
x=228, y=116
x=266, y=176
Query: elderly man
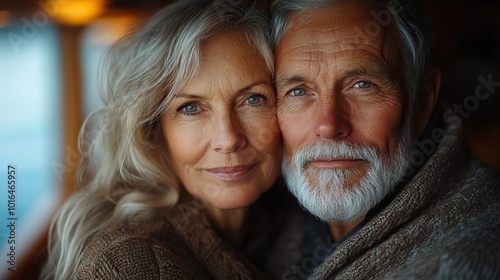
x=368, y=152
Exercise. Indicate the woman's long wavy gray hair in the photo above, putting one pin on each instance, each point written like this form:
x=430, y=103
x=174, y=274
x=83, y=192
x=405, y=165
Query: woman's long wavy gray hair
x=125, y=170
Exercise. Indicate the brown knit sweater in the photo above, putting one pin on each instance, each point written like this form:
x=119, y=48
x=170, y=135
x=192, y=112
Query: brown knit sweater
x=178, y=244
x=444, y=224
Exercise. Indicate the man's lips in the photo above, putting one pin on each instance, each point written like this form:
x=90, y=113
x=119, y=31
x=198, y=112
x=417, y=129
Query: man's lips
x=231, y=173
x=342, y=163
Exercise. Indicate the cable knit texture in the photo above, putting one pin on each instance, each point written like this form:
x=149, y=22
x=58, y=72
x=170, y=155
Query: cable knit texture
x=178, y=244
x=444, y=224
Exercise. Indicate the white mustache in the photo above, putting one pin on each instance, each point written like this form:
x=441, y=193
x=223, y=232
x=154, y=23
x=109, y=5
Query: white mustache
x=332, y=150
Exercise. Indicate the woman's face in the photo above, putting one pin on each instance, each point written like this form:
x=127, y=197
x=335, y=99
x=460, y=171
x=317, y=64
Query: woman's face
x=221, y=129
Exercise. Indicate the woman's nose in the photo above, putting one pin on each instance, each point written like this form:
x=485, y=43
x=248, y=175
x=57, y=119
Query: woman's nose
x=228, y=134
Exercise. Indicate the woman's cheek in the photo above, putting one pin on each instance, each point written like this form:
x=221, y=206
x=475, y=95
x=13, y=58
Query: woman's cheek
x=262, y=130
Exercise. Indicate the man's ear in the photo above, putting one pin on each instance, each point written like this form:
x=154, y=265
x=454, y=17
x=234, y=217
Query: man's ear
x=426, y=101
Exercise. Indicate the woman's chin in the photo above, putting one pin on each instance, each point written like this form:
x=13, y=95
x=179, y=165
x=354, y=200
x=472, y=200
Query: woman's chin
x=230, y=202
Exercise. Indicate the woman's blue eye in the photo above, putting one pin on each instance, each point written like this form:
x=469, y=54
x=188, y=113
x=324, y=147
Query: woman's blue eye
x=298, y=92
x=189, y=108
x=363, y=84
x=255, y=99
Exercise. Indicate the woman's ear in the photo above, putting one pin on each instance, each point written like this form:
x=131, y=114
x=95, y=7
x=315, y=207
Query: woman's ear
x=426, y=101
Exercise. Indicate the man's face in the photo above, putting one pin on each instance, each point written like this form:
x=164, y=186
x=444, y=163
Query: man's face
x=338, y=85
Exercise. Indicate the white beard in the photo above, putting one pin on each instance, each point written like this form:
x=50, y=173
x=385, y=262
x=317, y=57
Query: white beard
x=329, y=198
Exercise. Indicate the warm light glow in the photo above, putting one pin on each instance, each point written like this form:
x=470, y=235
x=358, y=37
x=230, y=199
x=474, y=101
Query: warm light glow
x=107, y=30
x=79, y=12
x=4, y=19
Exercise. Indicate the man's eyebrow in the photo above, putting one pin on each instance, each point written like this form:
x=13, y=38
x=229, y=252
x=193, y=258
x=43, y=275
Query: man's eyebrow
x=284, y=81
x=372, y=70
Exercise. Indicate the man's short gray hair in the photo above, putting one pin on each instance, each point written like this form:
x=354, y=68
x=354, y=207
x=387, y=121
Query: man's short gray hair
x=408, y=18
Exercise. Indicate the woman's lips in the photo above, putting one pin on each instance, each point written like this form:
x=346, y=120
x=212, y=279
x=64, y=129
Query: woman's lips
x=231, y=173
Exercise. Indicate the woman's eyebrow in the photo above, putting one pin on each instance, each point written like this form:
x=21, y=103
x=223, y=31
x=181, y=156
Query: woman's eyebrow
x=250, y=86
x=188, y=95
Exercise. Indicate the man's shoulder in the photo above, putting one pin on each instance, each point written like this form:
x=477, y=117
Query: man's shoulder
x=479, y=201
x=481, y=184
x=141, y=250
x=472, y=201
x=465, y=241
x=485, y=174
x=471, y=251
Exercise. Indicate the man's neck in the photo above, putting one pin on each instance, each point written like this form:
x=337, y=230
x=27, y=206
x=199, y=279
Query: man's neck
x=340, y=229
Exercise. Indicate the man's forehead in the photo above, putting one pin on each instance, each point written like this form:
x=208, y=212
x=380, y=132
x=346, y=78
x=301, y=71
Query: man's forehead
x=333, y=24
x=334, y=36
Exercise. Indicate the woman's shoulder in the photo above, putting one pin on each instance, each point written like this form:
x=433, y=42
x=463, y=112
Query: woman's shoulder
x=149, y=249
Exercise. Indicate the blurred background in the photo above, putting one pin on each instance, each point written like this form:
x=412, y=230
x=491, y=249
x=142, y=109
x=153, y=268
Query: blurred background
x=49, y=56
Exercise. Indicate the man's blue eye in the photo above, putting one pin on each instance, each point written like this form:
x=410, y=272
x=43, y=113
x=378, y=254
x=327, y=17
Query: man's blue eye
x=363, y=84
x=298, y=92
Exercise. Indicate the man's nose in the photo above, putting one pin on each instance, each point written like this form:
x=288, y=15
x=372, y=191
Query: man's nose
x=228, y=134
x=333, y=119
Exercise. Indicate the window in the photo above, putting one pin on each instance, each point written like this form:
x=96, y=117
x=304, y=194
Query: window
x=30, y=133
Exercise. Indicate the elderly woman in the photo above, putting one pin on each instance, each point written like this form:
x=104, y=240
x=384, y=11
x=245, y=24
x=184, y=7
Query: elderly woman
x=189, y=140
